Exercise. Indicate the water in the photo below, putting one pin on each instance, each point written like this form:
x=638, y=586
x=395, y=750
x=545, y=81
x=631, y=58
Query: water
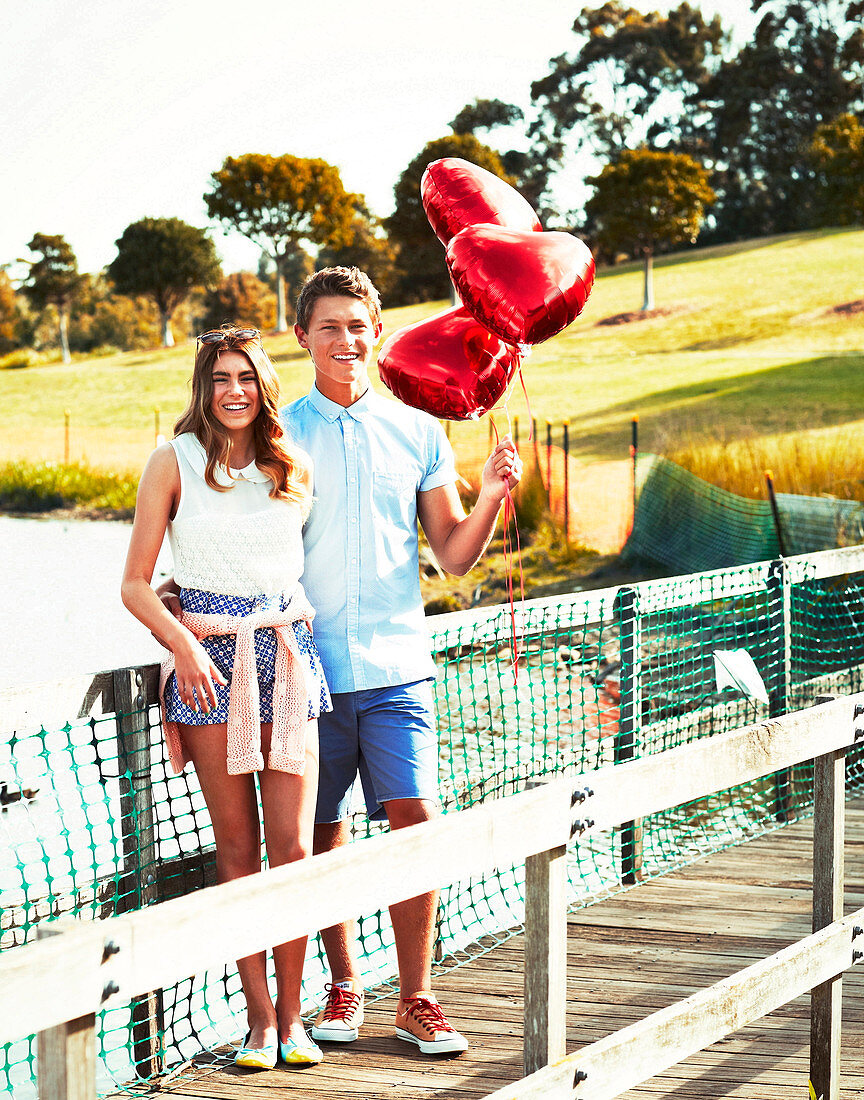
x=62, y=614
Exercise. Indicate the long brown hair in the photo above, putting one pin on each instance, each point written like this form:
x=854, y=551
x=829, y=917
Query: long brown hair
x=272, y=456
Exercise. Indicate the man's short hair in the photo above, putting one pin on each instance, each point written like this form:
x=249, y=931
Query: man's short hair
x=345, y=282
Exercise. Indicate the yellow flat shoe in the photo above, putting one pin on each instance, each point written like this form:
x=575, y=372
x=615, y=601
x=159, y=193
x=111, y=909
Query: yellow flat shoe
x=256, y=1057
x=300, y=1054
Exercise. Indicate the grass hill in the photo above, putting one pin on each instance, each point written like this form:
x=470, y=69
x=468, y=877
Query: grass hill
x=761, y=339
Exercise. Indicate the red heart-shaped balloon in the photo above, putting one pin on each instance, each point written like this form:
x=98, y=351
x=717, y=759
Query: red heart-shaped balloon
x=448, y=365
x=457, y=193
x=523, y=286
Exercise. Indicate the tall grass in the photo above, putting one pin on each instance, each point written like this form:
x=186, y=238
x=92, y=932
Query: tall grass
x=45, y=486
x=818, y=463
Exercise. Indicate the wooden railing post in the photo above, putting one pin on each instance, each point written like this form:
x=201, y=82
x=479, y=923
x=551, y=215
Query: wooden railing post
x=66, y=1054
x=138, y=830
x=629, y=721
x=545, y=958
x=780, y=680
x=826, y=1000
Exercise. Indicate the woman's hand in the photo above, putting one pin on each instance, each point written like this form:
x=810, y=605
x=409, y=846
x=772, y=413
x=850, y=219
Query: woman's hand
x=196, y=675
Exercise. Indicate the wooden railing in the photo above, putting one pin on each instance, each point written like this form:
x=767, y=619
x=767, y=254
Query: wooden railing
x=56, y=985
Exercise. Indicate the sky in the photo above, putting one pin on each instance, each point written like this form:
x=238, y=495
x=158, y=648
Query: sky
x=115, y=110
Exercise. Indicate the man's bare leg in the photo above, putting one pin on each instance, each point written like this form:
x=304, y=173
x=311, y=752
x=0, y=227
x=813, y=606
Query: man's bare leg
x=340, y=940
x=414, y=919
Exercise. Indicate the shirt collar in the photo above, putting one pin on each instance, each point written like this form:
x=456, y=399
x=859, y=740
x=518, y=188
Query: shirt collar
x=226, y=479
x=331, y=410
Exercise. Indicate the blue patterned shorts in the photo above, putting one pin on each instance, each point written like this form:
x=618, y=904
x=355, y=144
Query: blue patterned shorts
x=220, y=647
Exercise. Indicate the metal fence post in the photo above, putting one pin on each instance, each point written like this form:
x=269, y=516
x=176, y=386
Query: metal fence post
x=549, y=464
x=566, y=448
x=630, y=719
x=780, y=680
x=140, y=882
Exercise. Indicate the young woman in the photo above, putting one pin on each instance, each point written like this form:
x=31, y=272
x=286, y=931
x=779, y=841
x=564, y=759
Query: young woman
x=233, y=498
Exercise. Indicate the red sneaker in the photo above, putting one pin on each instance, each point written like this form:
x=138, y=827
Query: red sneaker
x=422, y=1022
x=340, y=1019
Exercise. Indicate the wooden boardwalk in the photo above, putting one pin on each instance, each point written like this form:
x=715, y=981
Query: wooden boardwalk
x=627, y=957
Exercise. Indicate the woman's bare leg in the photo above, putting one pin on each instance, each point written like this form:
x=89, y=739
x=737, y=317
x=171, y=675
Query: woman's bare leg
x=288, y=803
x=233, y=806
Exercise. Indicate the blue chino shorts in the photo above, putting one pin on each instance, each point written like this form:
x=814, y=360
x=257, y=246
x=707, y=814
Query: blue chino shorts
x=386, y=735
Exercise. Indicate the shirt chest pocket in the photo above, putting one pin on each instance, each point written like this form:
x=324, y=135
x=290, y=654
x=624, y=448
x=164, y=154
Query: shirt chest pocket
x=394, y=501
x=398, y=485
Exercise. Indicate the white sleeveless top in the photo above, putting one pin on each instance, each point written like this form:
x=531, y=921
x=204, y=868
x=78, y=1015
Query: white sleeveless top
x=238, y=543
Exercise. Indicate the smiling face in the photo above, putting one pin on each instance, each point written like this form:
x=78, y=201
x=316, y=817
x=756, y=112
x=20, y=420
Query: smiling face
x=341, y=339
x=236, y=399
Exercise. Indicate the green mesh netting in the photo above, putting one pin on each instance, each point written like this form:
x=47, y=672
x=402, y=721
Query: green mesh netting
x=689, y=525
x=92, y=827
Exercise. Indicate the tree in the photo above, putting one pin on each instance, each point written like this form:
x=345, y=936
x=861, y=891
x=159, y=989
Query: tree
x=837, y=156
x=277, y=202
x=530, y=167
x=53, y=281
x=802, y=68
x=165, y=259
x=99, y=318
x=243, y=299
x=627, y=82
x=421, y=270
x=485, y=114
x=371, y=251
x=9, y=314
x=646, y=200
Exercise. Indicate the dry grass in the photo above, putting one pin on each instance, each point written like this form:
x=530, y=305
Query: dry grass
x=821, y=462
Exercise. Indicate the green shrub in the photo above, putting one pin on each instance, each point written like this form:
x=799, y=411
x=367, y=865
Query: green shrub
x=104, y=349
x=442, y=605
x=44, y=486
x=21, y=357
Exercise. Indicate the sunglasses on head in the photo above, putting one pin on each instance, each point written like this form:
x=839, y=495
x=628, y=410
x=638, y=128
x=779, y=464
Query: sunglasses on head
x=216, y=336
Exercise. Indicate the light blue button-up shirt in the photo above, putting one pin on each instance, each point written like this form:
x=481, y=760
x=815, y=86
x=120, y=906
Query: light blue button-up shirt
x=362, y=570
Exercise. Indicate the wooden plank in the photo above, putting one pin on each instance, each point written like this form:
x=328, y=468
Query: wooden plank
x=138, y=837
x=827, y=563
x=683, y=774
x=187, y=935
x=779, y=591
x=170, y=940
x=67, y=1060
x=628, y=737
x=609, y=1067
x=829, y=780
x=52, y=704
x=545, y=967
x=767, y=1060
x=66, y=1053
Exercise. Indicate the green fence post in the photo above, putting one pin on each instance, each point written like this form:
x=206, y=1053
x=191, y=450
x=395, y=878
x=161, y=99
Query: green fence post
x=780, y=679
x=630, y=718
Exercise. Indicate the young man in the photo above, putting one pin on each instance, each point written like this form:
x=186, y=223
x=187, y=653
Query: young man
x=379, y=466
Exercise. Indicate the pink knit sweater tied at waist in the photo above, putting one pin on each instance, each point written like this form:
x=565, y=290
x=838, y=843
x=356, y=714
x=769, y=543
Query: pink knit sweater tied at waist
x=290, y=693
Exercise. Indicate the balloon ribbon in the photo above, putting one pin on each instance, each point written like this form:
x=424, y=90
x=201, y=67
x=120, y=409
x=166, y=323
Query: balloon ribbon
x=510, y=514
